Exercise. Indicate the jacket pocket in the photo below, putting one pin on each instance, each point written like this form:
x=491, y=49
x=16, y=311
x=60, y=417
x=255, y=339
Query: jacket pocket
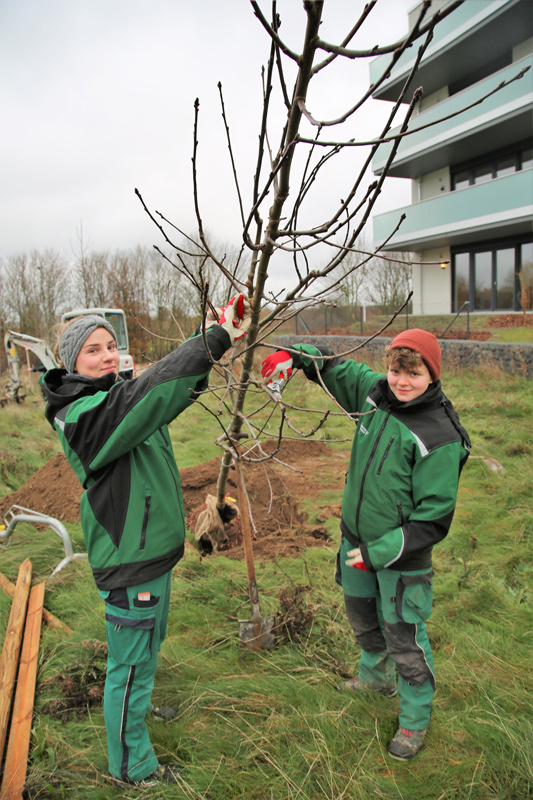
x=414, y=597
x=129, y=639
x=146, y=518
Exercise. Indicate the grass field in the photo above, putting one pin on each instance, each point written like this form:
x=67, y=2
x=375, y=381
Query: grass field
x=271, y=726
x=438, y=323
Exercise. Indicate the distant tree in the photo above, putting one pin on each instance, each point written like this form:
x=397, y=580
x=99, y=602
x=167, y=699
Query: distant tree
x=198, y=266
x=347, y=283
x=37, y=287
x=388, y=281
x=90, y=270
x=526, y=286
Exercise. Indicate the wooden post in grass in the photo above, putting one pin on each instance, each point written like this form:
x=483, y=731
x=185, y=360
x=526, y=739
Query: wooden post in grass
x=49, y=619
x=16, y=762
x=11, y=648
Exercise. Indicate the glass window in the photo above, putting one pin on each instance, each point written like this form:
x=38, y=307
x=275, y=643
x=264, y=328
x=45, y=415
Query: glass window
x=505, y=166
x=483, y=273
x=505, y=278
x=461, y=179
x=118, y=323
x=462, y=279
x=527, y=158
x=483, y=173
x=526, y=276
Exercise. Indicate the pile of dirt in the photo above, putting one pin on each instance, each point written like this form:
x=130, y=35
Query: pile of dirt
x=301, y=469
x=511, y=321
x=52, y=490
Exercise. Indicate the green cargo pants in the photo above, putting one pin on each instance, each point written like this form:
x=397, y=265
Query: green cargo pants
x=136, y=619
x=387, y=611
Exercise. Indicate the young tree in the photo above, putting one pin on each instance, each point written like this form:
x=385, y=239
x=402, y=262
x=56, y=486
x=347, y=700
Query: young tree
x=285, y=223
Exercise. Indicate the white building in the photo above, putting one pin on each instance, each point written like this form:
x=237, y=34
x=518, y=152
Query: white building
x=472, y=175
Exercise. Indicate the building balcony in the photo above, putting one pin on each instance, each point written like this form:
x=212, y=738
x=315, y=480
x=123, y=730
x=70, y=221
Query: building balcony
x=504, y=118
x=492, y=27
x=499, y=208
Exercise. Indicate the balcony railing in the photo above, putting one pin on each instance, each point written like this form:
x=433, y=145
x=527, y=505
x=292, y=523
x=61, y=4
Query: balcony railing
x=498, y=208
x=454, y=28
x=430, y=149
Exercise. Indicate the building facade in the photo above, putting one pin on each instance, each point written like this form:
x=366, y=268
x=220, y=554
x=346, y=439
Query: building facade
x=472, y=174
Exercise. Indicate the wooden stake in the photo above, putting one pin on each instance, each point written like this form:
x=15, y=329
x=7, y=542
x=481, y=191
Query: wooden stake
x=48, y=617
x=19, y=734
x=11, y=648
x=19, y=737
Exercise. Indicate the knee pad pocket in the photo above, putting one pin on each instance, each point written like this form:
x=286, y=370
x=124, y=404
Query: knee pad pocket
x=129, y=639
x=408, y=654
x=414, y=597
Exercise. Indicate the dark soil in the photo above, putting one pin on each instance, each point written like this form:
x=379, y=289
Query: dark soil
x=276, y=488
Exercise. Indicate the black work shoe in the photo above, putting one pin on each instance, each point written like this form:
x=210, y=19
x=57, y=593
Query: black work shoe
x=354, y=685
x=406, y=744
x=164, y=773
x=164, y=713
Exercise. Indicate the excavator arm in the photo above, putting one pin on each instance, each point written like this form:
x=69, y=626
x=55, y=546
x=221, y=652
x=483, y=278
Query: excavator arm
x=39, y=347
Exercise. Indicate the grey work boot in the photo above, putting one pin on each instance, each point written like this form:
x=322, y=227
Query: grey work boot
x=164, y=773
x=164, y=713
x=354, y=685
x=406, y=744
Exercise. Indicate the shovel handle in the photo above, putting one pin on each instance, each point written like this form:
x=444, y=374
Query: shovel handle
x=247, y=536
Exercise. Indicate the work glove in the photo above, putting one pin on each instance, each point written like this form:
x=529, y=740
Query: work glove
x=235, y=318
x=355, y=559
x=276, y=366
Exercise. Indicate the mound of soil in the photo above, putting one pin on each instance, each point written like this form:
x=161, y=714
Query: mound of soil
x=280, y=527
x=511, y=321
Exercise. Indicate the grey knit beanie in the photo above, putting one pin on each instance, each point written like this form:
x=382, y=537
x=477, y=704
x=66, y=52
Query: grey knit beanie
x=72, y=340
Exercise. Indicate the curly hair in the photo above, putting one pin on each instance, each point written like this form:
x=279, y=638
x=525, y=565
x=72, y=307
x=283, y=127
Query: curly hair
x=403, y=358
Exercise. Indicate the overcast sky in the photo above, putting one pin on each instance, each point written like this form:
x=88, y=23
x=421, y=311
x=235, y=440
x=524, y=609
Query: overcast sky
x=97, y=98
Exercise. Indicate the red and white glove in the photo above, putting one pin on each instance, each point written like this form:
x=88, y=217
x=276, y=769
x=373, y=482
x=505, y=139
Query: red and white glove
x=276, y=366
x=355, y=559
x=235, y=318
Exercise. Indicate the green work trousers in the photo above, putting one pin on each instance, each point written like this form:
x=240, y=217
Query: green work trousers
x=136, y=619
x=387, y=612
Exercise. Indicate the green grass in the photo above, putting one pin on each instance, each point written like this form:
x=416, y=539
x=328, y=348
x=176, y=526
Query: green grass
x=271, y=725
x=518, y=335
x=439, y=322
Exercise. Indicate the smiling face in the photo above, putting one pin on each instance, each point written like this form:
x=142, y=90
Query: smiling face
x=408, y=383
x=98, y=355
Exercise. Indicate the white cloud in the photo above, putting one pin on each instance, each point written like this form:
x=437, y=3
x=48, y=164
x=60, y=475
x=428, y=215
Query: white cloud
x=97, y=99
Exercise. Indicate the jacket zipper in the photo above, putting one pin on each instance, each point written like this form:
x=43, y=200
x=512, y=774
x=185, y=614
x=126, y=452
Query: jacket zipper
x=400, y=514
x=365, y=473
x=146, y=517
x=176, y=485
x=385, y=454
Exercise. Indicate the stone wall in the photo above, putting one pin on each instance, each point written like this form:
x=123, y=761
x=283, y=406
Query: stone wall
x=456, y=353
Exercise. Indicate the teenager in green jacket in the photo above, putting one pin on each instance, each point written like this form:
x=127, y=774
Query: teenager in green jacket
x=399, y=500
x=115, y=437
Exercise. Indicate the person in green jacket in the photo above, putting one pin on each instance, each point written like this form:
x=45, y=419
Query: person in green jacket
x=115, y=437
x=400, y=495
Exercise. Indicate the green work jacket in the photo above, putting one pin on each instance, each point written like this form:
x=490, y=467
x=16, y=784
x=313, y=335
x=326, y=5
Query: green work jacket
x=115, y=437
x=402, y=480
